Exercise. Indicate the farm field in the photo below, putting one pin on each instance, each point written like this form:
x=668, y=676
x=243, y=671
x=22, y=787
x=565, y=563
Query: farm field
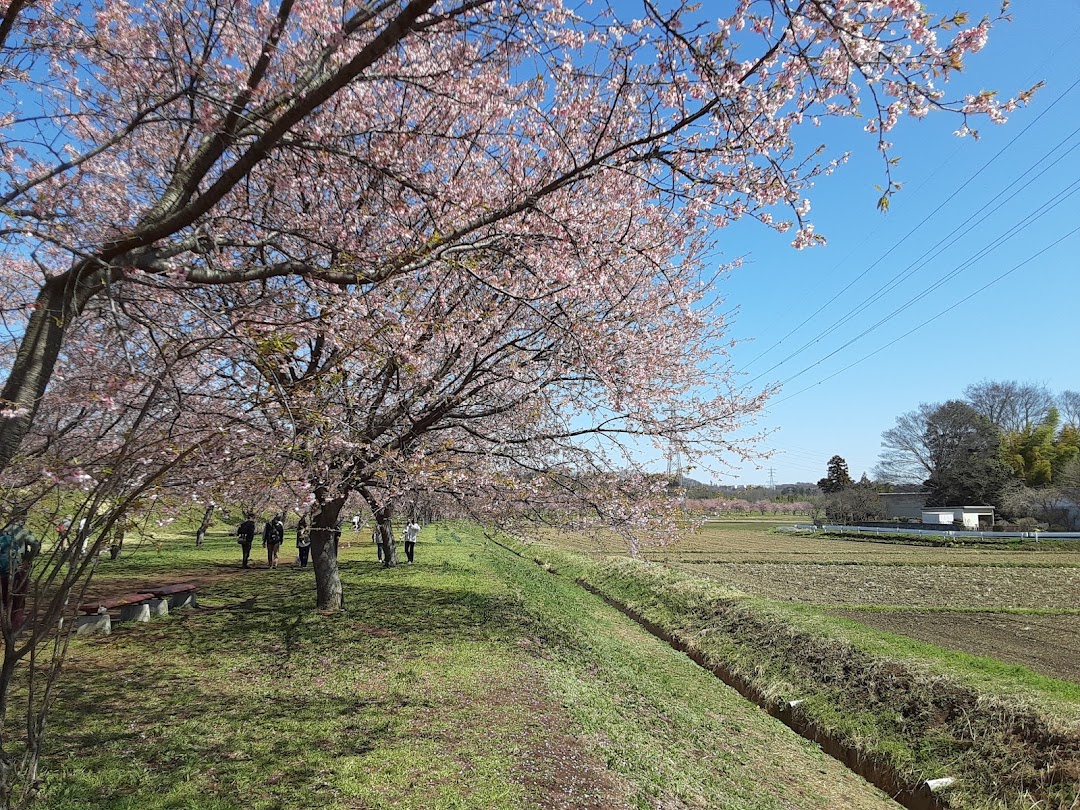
x=740, y=542
x=1021, y=605
x=1047, y=644
x=974, y=587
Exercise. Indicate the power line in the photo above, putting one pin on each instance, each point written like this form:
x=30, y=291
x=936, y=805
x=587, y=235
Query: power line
x=1014, y=231
x=930, y=320
x=912, y=231
x=1002, y=198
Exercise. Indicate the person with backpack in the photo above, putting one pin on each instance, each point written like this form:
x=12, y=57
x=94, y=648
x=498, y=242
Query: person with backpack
x=273, y=537
x=245, y=536
x=18, y=547
x=303, y=541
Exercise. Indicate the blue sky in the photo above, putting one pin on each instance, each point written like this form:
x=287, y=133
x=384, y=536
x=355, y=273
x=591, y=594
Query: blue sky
x=1022, y=327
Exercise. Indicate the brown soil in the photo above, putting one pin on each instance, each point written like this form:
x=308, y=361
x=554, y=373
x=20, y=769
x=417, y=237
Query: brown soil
x=553, y=765
x=719, y=543
x=1046, y=644
x=915, y=586
x=558, y=773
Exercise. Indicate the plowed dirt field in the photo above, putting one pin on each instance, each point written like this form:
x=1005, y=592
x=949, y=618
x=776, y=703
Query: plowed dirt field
x=1049, y=644
x=936, y=586
x=970, y=599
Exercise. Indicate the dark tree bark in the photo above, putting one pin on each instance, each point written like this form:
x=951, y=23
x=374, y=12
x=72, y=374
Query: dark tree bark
x=384, y=519
x=324, y=528
x=200, y=533
x=194, y=189
x=119, y=533
x=58, y=303
x=384, y=514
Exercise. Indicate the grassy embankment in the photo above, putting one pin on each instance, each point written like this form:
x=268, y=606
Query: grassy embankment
x=1010, y=735
x=473, y=679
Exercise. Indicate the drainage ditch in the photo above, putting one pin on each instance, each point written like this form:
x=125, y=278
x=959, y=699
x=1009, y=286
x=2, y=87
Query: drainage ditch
x=873, y=769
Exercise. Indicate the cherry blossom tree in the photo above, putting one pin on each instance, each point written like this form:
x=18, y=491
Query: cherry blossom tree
x=353, y=146
x=494, y=217
x=535, y=393
x=122, y=441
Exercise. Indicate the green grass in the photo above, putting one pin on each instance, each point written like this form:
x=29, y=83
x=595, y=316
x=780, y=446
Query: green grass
x=988, y=675
x=471, y=680
x=1009, y=733
x=665, y=721
x=257, y=701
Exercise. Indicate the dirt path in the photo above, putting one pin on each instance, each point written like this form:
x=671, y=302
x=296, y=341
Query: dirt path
x=1046, y=644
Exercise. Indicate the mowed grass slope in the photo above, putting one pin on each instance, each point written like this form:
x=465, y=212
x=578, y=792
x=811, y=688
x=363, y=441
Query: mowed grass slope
x=473, y=679
x=958, y=706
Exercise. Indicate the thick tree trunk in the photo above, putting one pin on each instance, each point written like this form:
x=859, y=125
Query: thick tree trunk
x=55, y=307
x=383, y=518
x=200, y=533
x=324, y=529
x=383, y=513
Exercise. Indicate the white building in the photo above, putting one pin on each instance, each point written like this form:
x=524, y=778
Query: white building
x=972, y=517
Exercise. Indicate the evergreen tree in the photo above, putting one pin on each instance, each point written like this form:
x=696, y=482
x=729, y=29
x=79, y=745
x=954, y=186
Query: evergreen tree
x=837, y=477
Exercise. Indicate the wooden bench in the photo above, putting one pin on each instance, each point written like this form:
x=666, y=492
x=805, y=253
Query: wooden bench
x=132, y=607
x=175, y=596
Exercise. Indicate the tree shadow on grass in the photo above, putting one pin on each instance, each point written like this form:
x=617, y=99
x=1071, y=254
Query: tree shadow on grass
x=241, y=704
x=255, y=699
x=244, y=745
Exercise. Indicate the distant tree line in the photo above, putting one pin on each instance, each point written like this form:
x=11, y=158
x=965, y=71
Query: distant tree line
x=845, y=499
x=697, y=493
x=1007, y=444
x=742, y=506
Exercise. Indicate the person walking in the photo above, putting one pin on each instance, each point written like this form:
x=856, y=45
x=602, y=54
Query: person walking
x=273, y=536
x=245, y=536
x=303, y=541
x=18, y=548
x=412, y=529
x=376, y=538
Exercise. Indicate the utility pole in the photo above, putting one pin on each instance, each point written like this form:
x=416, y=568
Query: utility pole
x=772, y=482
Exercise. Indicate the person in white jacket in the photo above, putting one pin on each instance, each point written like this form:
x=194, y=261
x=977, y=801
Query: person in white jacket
x=412, y=529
